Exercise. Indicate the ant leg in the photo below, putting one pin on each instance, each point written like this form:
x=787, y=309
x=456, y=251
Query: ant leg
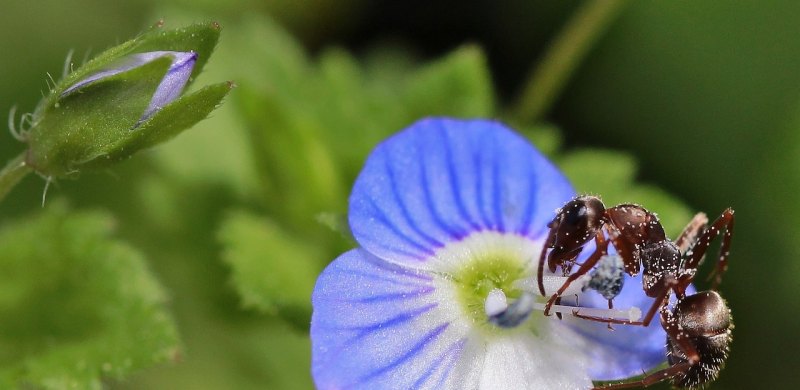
x=651, y=379
x=551, y=237
x=725, y=221
x=661, y=293
x=691, y=232
x=676, y=335
x=600, y=251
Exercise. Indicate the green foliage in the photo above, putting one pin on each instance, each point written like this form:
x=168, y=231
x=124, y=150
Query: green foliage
x=102, y=122
x=311, y=125
x=611, y=176
x=272, y=270
x=286, y=148
x=76, y=305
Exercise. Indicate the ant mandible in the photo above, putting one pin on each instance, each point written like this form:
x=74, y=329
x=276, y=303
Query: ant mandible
x=640, y=241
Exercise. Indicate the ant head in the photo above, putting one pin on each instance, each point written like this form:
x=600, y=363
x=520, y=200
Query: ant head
x=575, y=224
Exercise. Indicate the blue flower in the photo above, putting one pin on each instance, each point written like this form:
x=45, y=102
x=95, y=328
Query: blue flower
x=449, y=213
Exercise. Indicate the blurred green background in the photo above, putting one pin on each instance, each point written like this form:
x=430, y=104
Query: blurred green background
x=704, y=95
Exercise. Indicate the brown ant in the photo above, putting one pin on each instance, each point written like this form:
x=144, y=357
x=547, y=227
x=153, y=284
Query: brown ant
x=640, y=241
x=699, y=326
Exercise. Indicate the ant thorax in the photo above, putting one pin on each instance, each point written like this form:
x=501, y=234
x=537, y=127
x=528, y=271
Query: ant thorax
x=659, y=260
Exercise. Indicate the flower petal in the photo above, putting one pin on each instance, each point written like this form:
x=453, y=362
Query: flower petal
x=376, y=325
x=522, y=361
x=628, y=350
x=172, y=84
x=443, y=179
x=381, y=326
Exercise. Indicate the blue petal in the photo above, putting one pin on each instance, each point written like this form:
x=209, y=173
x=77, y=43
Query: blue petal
x=442, y=179
x=376, y=325
x=628, y=350
x=172, y=84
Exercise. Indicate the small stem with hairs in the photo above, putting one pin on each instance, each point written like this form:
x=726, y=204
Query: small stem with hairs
x=12, y=173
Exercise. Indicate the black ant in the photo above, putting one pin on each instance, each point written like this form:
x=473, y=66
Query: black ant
x=698, y=327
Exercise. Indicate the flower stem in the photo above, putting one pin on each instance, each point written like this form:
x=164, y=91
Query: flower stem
x=564, y=54
x=12, y=173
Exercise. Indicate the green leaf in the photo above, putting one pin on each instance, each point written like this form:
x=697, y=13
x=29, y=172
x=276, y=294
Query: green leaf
x=458, y=85
x=76, y=305
x=273, y=271
x=610, y=175
x=593, y=169
x=312, y=124
x=545, y=137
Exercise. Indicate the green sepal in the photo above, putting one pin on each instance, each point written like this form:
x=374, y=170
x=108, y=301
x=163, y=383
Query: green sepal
x=200, y=38
x=88, y=123
x=99, y=123
x=167, y=123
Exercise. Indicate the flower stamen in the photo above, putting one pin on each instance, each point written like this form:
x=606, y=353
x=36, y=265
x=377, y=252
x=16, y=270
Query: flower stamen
x=505, y=315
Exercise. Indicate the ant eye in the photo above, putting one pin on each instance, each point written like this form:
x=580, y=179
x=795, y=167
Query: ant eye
x=575, y=215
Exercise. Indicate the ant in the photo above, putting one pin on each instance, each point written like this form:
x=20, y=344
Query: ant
x=698, y=327
x=640, y=241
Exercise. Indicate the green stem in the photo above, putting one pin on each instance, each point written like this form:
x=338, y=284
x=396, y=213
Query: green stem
x=12, y=173
x=562, y=57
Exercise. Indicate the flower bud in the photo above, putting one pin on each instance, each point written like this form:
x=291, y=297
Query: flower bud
x=126, y=99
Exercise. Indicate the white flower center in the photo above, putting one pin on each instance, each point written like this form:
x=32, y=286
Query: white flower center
x=492, y=278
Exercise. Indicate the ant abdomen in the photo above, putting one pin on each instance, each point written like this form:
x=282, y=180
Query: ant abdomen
x=706, y=320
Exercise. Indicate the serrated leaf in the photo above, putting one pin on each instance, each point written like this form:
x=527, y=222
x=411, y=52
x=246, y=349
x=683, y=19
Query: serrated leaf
x=272, y=270
x=76, y=305
x=458, y=85
x=611, y=174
